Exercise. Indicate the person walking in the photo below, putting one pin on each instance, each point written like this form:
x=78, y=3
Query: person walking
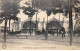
x=43, y=30
x=63, y=32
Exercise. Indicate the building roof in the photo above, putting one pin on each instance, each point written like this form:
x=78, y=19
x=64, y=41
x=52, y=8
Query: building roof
x=53, y=19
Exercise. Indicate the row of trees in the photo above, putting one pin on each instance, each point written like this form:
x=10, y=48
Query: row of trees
x=10, y=11
x=58, y=6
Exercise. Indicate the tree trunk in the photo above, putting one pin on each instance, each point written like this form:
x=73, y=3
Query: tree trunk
x=46, y=34
x=36, y=25
x=5, y=29
x=70, y=22
x=59, y=16
x=9, y=26
x=30, y=27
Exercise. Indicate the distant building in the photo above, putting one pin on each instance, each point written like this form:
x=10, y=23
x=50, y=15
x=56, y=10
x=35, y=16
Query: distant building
x=54, y=25
x=27, y=26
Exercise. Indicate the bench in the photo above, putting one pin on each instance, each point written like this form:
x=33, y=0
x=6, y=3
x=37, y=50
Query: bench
x=22, y=36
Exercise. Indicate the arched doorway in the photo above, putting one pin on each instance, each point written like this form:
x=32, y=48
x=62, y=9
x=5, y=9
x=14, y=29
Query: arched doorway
x=28, y=26
x=54, y=25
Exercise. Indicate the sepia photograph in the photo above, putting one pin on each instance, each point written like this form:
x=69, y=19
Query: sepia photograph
x=39, y=24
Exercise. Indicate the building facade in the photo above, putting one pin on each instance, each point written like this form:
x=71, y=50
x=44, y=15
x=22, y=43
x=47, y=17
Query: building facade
x=27, y=26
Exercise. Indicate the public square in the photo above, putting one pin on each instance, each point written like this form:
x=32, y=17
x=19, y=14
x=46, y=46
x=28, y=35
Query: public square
x=40, y=25
x=39, y=43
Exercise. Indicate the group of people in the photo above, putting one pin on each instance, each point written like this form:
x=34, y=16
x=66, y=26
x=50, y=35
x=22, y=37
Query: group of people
x=62, y=31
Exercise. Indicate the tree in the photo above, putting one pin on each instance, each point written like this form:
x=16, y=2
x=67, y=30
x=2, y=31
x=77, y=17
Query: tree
x=62, y=6
x=30, y=11
x=9, y=8
x=72, y=4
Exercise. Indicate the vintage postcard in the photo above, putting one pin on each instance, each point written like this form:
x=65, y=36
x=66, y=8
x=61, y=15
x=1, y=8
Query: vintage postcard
x=39, y=24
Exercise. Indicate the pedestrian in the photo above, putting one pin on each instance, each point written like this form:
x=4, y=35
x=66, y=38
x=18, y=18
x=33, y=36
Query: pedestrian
x=43, y=30
x=63, y=32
